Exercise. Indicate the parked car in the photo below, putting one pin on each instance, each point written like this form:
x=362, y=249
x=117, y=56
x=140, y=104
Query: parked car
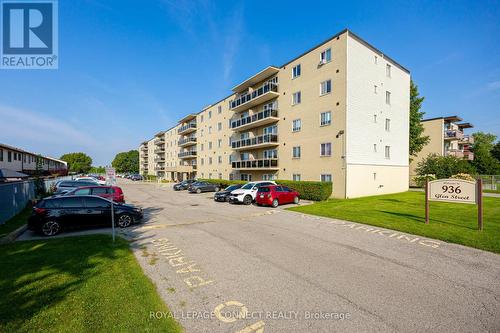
x=275, y=195
x=91, y=179
x=223, y=195
x=114, y=193
x=135, y=177
x=198, y=187
x=64, y=186
x=50, y=216
x=247, y=193
x=183, y=185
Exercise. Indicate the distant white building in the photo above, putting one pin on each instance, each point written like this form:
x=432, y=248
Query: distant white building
x=16, y=159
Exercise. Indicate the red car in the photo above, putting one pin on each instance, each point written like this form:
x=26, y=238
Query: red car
x=275, y=195
x=114, y=193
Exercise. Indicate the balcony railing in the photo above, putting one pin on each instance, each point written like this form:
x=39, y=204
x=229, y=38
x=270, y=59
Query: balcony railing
x=255, y=119
x=186, y=141
x=160, y=151
x=159, y=141
x=270, y=163
x=453, y=134
x=159, y=159
x=266, y=139
x=187, y=128
x=467, y=139
x=188, y=153
x=463, y=154
x=256, y=96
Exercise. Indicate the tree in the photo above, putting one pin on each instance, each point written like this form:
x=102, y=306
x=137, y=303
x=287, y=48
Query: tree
x=443, y=166
x=417, y=140
x=495, y=152
x=97, y=169
x=126, y=161
x=77, y=162
x=484, y=161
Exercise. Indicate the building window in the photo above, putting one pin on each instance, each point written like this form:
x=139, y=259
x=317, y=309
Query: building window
x=219, y=126
x=325, y=56
x=387, y=152
x=325, y=87
x=202, y=161
x=387, y=97
x=374, y=176
x=201, y=119
x=271, y=153
x=209, y=129
x=387, y=125
x=1, y=155
x=296, y=98
x=210, y=145
x=246, y=177
x=296, y=152
x=325, y=118
x=209, y=114
x=296, y=71
x=220, y=175
x=202, y=146
x=220, y=159
x=296, y=177
x=219, y=143
x=9, y=156
x=209, y=160
x=219, y=109
x=375, y=118
x=268, y=177
x=375, y=89
x=374, y=147
x=388, y=70
x=375, y=60
x=296, y=125
x=326, y=149
x=326, y=177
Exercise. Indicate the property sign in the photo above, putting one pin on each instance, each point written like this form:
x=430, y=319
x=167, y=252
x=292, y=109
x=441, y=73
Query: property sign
x=452, y=190
x=110, y=175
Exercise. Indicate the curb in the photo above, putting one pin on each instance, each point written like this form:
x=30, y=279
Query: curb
x=14, y=234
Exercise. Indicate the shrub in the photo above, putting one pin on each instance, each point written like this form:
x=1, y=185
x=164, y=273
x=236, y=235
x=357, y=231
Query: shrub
x=464, y=176
x=443, y=166
x=420, y=180
x=309, y=190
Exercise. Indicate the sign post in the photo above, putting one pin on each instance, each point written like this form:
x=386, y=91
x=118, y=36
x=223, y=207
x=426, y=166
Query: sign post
x=455, y=191
x=113, y=219
x=111, y=180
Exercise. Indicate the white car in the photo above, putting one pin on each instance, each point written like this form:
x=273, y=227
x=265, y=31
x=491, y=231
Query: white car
x=247, y=193
x=91, y=179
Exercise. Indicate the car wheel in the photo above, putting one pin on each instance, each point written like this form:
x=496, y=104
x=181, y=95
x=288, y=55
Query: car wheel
x=247, y=200
x=296, y=200
x=198, y=190
x=125, y=220
x=51, y=228
x=275, y=203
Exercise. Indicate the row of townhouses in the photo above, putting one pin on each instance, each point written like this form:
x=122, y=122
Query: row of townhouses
x=338, y=112
x=19, y=160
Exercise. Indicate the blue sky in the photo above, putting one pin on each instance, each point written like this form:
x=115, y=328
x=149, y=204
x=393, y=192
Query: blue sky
x=129, y=69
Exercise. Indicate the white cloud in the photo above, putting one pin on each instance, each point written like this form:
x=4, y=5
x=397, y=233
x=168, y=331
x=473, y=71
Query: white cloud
x=493, y=86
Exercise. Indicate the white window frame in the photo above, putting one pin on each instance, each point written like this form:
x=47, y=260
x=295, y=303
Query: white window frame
x=325, y=87
x=296, y=177
x=325, y=56
x=296, y=128
x=388, y=97
x=388, y=70
x=388, y=152
x=387, y=124
x=321, y=149
x=296, y=71
x=296, y=98
x=326, y=175
x=295, y=150
x=325, y=123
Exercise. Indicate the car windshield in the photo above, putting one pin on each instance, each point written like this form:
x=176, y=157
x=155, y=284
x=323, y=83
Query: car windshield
x=248, y=186
x=232, y=188
x=264, y=189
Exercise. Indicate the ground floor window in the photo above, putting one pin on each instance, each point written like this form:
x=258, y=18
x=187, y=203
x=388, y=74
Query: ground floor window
x=326, y=177
x=296, y=177
x=246, y=177
x=269, y=176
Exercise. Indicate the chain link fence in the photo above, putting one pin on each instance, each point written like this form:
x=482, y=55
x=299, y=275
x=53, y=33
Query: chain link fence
x=490, y=182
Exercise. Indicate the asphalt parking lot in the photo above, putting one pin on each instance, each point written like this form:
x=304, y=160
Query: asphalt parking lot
x=235, y=268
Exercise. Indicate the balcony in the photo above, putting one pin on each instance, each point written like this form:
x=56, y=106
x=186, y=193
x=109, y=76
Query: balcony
x=187, y=154
x=262, y=164
x=186, y=142
x=260, y=95
x=159, y=141
x=462, y=154
x=159, y=159
x=160, y=151
x=453, y=135
x=261, y=141
x=144, y=148
x=259, y=119
x=159, y=167
x=188, y=128
x=467, y=139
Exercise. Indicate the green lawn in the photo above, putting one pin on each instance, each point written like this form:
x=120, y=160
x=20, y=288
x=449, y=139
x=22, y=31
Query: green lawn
x=76, y=284
x=15, y=222
x=456, y=223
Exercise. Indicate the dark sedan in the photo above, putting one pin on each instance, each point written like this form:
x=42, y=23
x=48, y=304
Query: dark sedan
x=183, y=185
x=198, y=187
x=52, y=215
x=223, y=195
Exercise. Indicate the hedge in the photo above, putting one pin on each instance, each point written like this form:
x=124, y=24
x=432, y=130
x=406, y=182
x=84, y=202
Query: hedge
x=316, y=191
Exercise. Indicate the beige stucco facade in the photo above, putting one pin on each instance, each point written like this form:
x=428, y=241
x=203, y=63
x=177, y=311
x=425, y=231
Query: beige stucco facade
x=264, y=130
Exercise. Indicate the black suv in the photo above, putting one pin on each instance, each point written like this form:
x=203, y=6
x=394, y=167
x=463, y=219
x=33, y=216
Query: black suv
x=52, y=215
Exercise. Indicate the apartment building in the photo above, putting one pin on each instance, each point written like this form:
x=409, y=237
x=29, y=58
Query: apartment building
x=20, y=160
x=446, y=138
x=338, y=112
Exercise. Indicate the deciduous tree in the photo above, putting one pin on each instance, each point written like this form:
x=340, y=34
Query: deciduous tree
x=77, y=162
x=417, y=139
